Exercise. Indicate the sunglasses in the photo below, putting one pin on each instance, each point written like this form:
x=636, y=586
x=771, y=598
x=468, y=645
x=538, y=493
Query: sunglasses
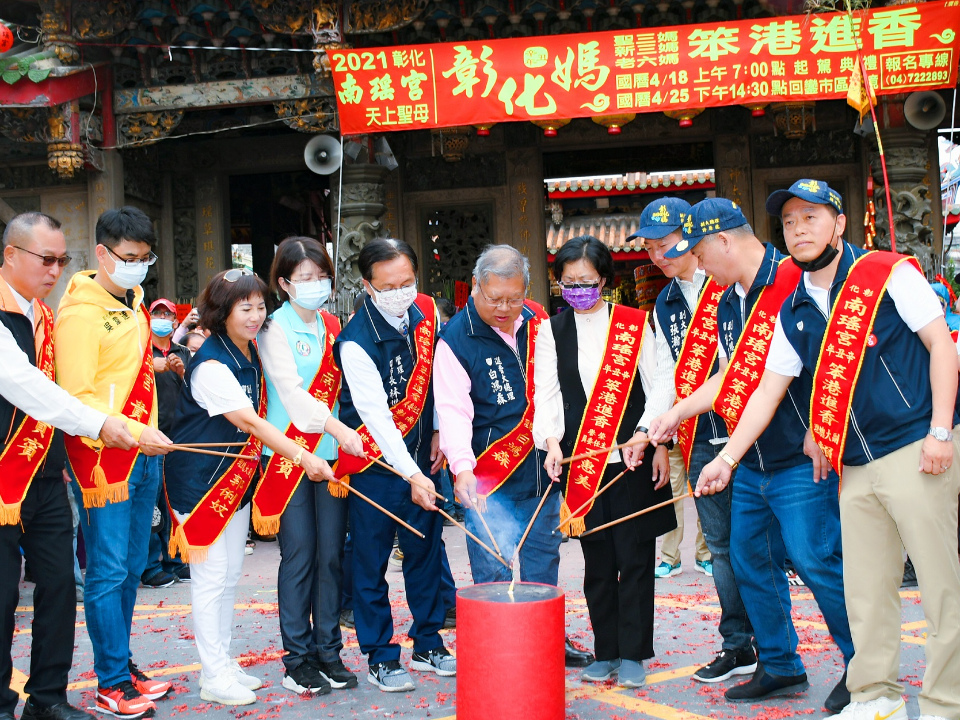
x=237, y=273
x=48, y=260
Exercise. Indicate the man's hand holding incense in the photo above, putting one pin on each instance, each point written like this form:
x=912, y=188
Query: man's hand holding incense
x=420, y=496
x=663, y=428
x=633, y=454
x=465, y=488
x=154, y=442
x=116, y=434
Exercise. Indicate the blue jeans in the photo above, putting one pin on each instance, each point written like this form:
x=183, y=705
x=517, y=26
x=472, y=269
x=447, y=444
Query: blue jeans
x=714, y=512
x=779, y=514
x=116, y=538
x=158, y=555
x=507, y=518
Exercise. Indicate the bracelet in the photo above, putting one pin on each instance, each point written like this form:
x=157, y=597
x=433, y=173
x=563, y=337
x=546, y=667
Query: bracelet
x=726, y=457
x=298, y=458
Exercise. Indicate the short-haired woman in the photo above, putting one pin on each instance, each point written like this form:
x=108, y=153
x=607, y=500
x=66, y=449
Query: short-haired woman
x=224, y=401
x=593, y=368
x=309, y=519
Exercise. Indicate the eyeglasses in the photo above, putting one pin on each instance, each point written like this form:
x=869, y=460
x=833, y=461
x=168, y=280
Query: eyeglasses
x=579, y=286
x=509, y=302
x=394, y=293
x=48, y=260
x=236, y=273
x=135, y=262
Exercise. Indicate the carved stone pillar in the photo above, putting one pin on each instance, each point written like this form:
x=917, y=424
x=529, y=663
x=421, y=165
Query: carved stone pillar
x=360, y=211
x=733, y=176
x=912, y=192
x=211, y=228
x=104, y=191
x=183, y=200
x=525, y=184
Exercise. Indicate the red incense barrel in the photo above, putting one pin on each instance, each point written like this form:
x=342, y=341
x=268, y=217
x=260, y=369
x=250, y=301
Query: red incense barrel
x=510, y=652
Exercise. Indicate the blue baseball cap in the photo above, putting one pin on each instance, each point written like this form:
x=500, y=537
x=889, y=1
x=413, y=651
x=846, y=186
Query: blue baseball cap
x=662, y=217
x=708, y=216
x=815, y=191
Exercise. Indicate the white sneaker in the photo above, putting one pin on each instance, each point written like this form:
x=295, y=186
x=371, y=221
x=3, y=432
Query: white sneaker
x=879, y=709
x=226, y=690
x=250, y=682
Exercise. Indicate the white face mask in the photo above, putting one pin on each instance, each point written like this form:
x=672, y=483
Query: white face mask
x=126, y=276
x=395, y=302
x=311, y=295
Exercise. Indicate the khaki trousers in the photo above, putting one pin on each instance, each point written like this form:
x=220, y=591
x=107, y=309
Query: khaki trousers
x=670, y=549
x=885, y=506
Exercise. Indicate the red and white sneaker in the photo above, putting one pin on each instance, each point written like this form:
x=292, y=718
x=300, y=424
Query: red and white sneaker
x=123, y=700
x=148, y=687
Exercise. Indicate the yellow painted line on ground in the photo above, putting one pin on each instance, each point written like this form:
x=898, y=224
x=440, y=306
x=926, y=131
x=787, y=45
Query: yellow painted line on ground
x=914, y=625
x=914, y=640
x=646, y=707
x=17, y=681
x=664, y=676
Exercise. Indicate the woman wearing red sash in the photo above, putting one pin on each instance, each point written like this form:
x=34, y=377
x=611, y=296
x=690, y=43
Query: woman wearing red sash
x=593, y=369
x=224, y=401
x=303, y=388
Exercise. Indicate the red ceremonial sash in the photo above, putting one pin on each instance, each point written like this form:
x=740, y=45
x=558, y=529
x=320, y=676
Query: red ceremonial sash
x=841, y=353
x=206, y=523
x=499, y=461
x=407, y=412
x=745, y=365
x=282, y=477
x=27, y=448
x=604, y=411
x=102, y=473
x=696, y=358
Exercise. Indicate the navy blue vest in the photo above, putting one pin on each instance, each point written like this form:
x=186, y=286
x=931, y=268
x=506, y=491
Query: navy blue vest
x=189, y=476
x=892, y=401
x=498, y=385
x=394, y=360
x=781, y=444
x=673, y=317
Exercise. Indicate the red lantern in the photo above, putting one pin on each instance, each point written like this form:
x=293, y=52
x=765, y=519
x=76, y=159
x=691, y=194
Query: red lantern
x=6, y=38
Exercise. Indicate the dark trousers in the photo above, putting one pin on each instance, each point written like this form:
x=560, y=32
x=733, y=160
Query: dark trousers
x=313, y=528
x=714, y=512
x=618, y=582
x=45, y=533
x=159, y=558
x=422, y=567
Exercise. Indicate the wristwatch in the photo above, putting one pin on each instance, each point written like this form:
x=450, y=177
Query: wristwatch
x=297, y=460
x=725, y=456
x=941, y=434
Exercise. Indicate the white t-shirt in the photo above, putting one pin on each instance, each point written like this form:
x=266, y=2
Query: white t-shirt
x=217, y=390
x=916, y=303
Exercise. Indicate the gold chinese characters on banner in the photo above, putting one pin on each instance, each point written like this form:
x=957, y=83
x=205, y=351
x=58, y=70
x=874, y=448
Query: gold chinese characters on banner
x=904, y=47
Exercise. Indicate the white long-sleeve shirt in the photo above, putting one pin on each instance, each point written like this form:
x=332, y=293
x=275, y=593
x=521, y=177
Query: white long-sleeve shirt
x=372, y=403
x=664, y=391
x=592, y=331
x=308, y=414
x=26, y=387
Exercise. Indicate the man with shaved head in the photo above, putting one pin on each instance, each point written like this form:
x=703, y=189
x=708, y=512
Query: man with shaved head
x=34, y=510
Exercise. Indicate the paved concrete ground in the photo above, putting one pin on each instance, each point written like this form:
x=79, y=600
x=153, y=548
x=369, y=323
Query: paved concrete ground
x=687, y=613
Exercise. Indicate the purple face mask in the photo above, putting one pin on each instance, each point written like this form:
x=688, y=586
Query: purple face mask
x=581, y=298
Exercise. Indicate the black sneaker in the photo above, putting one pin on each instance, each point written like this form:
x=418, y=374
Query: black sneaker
x=346, y=619
x=390, y=676
x=763, y=685
x=838, y=698
x=305, y=678
x=335, y=673
x=909, y=575
x=727, y=664
x=60, y=711
x=159, y=579
x=450, y=620
x=182, y=573
x=438, y=661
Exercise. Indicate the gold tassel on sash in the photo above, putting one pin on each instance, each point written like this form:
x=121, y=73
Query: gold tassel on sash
x=178, y=544
x=337, y=489
x=264, y=525
x=10, y=514
x=575, y=527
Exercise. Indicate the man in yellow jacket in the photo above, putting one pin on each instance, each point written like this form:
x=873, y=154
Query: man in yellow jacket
x=104, y=358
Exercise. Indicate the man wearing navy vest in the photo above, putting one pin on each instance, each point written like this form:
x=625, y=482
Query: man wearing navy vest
x=38, y=519
x=660, y=228
x=900, y=481
x=481, y=375
x=779, y=506
x=378, y=353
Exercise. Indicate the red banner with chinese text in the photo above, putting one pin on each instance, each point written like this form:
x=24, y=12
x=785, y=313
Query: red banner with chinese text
x=799, y=57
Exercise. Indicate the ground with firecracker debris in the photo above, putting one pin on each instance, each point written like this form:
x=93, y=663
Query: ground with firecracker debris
x=686, y=617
